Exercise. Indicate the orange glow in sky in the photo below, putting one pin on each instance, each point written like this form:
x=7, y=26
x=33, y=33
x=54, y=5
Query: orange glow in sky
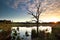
x=51, y=16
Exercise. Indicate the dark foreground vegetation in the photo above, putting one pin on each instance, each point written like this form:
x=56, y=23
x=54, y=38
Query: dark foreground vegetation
x=55, y=35
x=5, y=31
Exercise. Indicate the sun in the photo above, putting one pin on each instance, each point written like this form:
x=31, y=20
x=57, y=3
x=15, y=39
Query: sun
x=55, y=21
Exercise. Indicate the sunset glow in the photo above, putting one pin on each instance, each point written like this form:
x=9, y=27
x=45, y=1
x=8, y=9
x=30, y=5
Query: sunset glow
x=15, y=10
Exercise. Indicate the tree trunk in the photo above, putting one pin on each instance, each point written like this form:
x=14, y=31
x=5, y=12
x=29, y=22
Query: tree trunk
x=37, y=26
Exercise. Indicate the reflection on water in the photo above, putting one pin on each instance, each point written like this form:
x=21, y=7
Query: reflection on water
x=47, y=29
x=22, y=30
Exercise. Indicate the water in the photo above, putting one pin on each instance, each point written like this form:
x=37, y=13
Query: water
x=22, y=31
x=1, y=30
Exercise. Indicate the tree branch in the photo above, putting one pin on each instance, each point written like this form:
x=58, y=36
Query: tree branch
x=38, y=13
x=31, y=13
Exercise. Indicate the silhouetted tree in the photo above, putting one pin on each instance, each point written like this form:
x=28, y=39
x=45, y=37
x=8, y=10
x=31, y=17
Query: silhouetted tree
x=37, y=14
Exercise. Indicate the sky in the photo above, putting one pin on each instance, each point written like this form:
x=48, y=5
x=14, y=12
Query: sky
x=17, y=10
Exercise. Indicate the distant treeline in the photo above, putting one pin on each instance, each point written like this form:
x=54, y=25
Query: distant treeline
x=25, y=24
x=5, y=21
x=9, y=21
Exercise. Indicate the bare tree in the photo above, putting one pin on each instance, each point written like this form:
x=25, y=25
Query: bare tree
x=38, y=12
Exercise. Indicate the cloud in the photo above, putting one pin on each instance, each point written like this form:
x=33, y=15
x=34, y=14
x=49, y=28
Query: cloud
x=50, y=5
x=16, y=3
x=53, y=5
